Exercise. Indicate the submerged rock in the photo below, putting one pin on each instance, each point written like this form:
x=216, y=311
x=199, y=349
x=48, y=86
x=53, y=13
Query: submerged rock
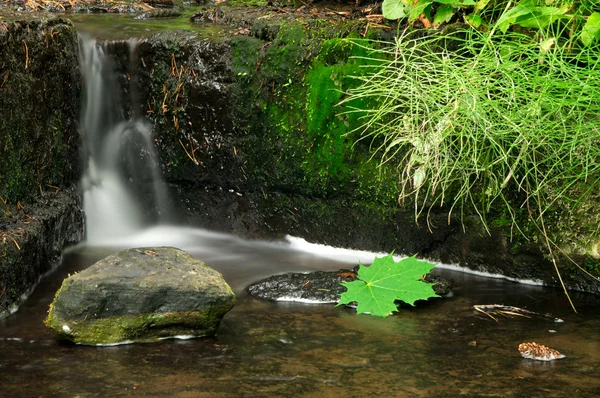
x=140, y=295
x=313, y=287
x=321, y=287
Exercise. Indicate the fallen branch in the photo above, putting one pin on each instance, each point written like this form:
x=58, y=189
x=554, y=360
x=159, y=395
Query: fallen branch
x=510, y=311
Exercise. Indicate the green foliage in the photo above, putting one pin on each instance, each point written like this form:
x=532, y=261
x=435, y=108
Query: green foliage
x=386, y=281
x=395, y=9
x=582, y=17
x=508, y=121
x=530, y=14
x=591, y=30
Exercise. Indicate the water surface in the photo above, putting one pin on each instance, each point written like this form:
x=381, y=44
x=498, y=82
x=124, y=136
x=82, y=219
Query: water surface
x=441, y=348
x=124, y=26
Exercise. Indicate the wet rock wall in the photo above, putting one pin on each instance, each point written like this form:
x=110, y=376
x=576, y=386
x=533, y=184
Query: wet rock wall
x=252, y=142
x=40, y=211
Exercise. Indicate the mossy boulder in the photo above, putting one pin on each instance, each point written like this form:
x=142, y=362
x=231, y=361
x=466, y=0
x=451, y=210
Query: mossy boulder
x=140, y=295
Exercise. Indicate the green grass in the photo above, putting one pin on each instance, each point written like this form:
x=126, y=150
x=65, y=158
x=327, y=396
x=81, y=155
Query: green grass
x=475, y=121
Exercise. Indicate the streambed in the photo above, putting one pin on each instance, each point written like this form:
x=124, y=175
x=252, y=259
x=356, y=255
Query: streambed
x=263, y=349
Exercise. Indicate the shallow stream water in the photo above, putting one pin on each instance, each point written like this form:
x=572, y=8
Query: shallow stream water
x=440, y=348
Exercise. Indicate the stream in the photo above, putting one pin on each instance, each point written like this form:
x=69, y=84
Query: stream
x=440, y=348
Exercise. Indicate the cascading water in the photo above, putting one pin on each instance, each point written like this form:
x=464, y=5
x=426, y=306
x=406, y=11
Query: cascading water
x=123, y=190
x=120, y=160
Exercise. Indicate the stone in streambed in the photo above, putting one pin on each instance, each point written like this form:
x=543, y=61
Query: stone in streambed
x=140, y=295
x=322, y=287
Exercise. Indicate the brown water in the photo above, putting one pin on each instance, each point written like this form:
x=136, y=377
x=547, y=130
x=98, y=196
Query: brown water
x=441, y=348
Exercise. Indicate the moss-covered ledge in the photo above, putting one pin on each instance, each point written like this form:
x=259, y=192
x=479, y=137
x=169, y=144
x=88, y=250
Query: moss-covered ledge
x=40, y=211
x=31, y=242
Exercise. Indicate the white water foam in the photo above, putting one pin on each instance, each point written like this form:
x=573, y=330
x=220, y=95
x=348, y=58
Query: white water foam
x=126, y=342
x=336, y=253
x=366, y=257
x=305, y=301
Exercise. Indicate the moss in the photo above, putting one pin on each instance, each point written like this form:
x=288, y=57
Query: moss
x=294, y=86
x=136, y=328
x=139, y=328
x=247, y=3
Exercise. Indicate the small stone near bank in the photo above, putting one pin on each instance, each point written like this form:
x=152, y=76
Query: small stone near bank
x=140, y=295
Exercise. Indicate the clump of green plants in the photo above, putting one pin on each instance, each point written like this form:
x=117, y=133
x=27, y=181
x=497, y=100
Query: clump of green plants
x=482, y=120
x=485, y=121
x=582, y=16
x=378, y=287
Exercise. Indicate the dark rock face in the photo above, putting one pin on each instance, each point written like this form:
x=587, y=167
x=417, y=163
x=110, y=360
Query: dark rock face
x=31, y=242
x=140, y=295
x=40, y=86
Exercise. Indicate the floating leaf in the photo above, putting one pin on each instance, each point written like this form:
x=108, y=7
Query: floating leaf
x=384, y=282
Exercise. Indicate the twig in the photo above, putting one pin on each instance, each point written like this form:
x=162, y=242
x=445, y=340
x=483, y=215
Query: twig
x=173, y=65
x=476, y=307
x=6, y=210
x=192, y=156
x=164, y=106
x=5, y=235
x=508, y=310
x=4, y=79
x=26, y=55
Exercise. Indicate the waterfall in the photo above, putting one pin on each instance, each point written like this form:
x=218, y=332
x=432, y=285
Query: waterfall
x=123, y=189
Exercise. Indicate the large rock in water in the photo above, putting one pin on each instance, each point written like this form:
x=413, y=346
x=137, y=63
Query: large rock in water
x=140, y=295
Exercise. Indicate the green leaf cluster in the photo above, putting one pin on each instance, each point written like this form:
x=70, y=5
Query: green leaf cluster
x=583, y=16
x=386, y=281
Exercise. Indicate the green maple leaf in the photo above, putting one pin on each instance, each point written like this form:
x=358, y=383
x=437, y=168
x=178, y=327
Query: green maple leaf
x=377, y=287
